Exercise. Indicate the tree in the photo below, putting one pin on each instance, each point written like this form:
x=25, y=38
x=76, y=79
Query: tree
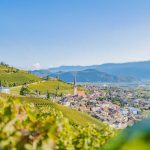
x=61, y=94
x=47, y=78
x=56, y=94
x=48, y=95
x=17, y=70
x=58, y=87
x=100, y=99
x=24, y=90
x=39, y=92
x=0, y=83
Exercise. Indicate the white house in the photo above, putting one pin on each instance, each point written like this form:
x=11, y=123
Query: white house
x=134, y=110
x=5, y=90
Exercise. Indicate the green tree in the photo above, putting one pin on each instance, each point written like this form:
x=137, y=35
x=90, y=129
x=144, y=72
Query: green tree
x=47, y=78
x=48, y=95
x=61, y=94
x=0, y=83
x=24, y=91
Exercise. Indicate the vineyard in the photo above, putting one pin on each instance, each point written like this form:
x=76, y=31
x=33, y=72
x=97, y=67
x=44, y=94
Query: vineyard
x=51, y=86
x=10, y=76
x=74, y=116
x=39, y=125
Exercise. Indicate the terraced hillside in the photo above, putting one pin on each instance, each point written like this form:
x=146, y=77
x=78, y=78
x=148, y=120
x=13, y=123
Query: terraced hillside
x=29, y=123
x=10, y=76
x=52, y=86
x=76, y=117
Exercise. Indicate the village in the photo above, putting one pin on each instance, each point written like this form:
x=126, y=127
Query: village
x=118, y=107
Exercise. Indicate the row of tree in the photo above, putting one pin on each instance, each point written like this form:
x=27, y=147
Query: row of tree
x=6, y=84
x=26, y=91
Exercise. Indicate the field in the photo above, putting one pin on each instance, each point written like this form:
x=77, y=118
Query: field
x=51, y=86
x=4, y=68
x=10, y=76
x=15, y=79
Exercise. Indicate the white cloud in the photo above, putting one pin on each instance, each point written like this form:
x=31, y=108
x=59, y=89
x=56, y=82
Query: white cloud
x=36, y=66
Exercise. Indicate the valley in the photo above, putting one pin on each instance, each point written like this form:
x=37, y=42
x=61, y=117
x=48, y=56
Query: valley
x=105, y=108
x=75, y=75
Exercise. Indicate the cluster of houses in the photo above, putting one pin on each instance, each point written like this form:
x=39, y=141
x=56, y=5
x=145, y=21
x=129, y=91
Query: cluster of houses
x=105, y=110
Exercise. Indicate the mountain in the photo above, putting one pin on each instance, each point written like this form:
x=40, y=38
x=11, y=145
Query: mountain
x=46, y=72
x=41, y=73
x=134, y=70
x=68, y=68
x=140, y=70
x=91, y=75
x=10, y=76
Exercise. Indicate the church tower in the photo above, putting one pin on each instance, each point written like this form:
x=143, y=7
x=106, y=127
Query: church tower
x=75, y=85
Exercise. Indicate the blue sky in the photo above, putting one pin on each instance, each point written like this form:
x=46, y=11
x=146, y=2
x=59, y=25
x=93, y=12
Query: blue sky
x=45, y=33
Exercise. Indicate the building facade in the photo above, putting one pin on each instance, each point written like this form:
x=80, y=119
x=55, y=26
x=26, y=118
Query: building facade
x=5, y=90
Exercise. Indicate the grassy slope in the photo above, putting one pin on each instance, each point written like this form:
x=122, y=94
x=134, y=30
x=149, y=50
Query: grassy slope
x=74, y=116
x=42, y=126
x=78, y=117
x=10, y=76
x=18, y=78
x=51, y=86
x=15, y=90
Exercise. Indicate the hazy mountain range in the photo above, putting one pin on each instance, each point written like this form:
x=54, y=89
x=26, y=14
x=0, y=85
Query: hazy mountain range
x=111, y=72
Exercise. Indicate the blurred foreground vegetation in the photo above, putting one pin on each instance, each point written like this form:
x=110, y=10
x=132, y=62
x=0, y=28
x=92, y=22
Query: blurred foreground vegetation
x=38, y=125
x=136, y=137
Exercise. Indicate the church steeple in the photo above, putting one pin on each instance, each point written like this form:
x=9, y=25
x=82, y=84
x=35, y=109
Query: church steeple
x=75, y=85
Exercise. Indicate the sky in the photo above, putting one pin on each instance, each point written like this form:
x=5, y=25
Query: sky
x=49, y=33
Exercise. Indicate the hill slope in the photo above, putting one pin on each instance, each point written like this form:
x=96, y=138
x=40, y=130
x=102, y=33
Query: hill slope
x=10, y=76
x=51, y=86
x=137, y=70
x=76, y=117
x=46, y=72
x=29, y=123
x=91, y=75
